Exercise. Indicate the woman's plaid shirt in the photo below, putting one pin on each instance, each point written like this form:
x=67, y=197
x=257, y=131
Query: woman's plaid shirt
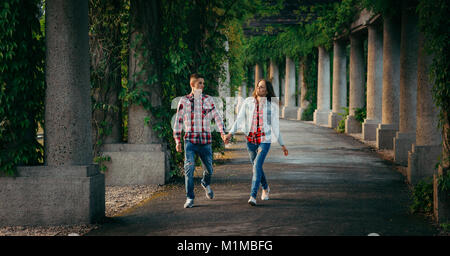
x=256, y=133
x=196, y=114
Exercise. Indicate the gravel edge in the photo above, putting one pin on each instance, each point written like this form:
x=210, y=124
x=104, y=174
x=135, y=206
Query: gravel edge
x=117, y=200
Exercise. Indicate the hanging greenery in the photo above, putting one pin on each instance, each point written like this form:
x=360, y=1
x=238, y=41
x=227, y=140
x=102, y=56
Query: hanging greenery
x=22, y=90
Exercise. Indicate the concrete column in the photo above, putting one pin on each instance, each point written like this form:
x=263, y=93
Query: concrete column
x=283, y=81
x=374, y=82
x=304, y=103
x=323, y=88
x=224, y=83
x=68, y=189
x=391, y=83
x=408, y=87
x=68, y=139
x=139, y=131
x=289, y=110
x=240, y=96
x=258, y=74
x=356, y=94
x=425, y=152
x=339, y=83
x=274, y=75
x=143, y=160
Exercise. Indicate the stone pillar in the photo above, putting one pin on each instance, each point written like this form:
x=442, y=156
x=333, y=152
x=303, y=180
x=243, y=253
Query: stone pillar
x=274, y=75
x=224, y=84
x=374, y=83
x=144, y=159
x=391, y=83
x=304, y=103
x=139, y=131
x=283, y=81
x=258, y=74
x=356, y=93
x=339, y=83
x=425, y=152
x=289, y=110
x=323, y=88
x=68, y=189
x=408, y=87
x=240, y=96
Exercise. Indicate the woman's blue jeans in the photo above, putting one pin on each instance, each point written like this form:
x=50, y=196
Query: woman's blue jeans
x=204, y=151
x=257, y=159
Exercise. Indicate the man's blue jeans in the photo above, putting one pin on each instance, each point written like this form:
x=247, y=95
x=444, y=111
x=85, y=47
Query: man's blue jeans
x=204, y=151
x=257, y=160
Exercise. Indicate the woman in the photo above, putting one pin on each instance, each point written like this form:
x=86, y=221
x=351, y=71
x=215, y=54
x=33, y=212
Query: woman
x=258, y=119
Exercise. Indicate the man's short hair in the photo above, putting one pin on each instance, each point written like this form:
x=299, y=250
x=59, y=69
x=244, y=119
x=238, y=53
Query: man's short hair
x=196, y=76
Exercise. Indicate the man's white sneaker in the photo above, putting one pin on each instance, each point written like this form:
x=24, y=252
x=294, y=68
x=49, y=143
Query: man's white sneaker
x=189, y=203
x=252, y=201
x=265, y=194
x=209, y=192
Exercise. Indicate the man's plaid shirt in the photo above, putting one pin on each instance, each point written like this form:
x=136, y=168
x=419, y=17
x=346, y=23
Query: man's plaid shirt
x=196, y=114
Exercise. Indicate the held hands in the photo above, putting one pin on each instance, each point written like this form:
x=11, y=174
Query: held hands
x=226, y=138
x=179, y=148
x=285, y=151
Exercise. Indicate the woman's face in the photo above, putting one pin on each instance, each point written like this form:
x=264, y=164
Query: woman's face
x=261, y=89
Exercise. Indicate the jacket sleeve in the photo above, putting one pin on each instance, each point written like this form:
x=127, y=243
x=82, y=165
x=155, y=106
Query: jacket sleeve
x=240, y=118
x=276, y=124
x=217, y=117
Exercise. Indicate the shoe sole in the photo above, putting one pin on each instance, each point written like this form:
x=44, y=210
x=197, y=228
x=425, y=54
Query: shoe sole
x=252, y=203
x=207, y=194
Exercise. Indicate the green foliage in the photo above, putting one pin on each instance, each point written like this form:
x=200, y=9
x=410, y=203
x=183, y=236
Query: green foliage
x=423, y=197
x=108, y=39
x=444, y=182
x=341, y=125
x=434, y=24
x=22, y=90
x=100, y=160
x=384, y=7
x=360, y=114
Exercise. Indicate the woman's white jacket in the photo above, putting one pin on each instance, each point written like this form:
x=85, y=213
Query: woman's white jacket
x=271, y=127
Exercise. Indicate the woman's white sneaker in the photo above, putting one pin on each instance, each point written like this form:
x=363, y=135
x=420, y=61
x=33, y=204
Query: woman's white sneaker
x=265, y=194
x=189, y=203
x=252, y=201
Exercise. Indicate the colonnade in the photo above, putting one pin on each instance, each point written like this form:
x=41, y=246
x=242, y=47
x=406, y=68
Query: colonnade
x=391, y=85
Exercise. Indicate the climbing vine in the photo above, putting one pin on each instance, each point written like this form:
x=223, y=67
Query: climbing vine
x=22, y=90
x=434, y=24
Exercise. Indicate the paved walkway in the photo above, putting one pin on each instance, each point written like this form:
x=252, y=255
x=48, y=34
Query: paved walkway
x=330, y=184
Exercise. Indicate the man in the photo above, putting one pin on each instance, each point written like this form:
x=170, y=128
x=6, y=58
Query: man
x=195, y=111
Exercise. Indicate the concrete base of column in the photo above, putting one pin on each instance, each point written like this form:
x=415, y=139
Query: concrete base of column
x=289, y=113
x=300, y=113
x=369, y=129
x=352, y=125
x=334, y=119
x=402, y=144
x=421, y=162
x=53, y=195
x=385, y=136
x=441, y=202
x=321, y=117
x=135, y=164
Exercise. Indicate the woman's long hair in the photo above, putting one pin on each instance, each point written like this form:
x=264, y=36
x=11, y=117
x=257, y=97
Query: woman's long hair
x=269, y=89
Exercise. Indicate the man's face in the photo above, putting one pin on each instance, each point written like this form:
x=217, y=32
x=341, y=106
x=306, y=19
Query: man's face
x=197, y=84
